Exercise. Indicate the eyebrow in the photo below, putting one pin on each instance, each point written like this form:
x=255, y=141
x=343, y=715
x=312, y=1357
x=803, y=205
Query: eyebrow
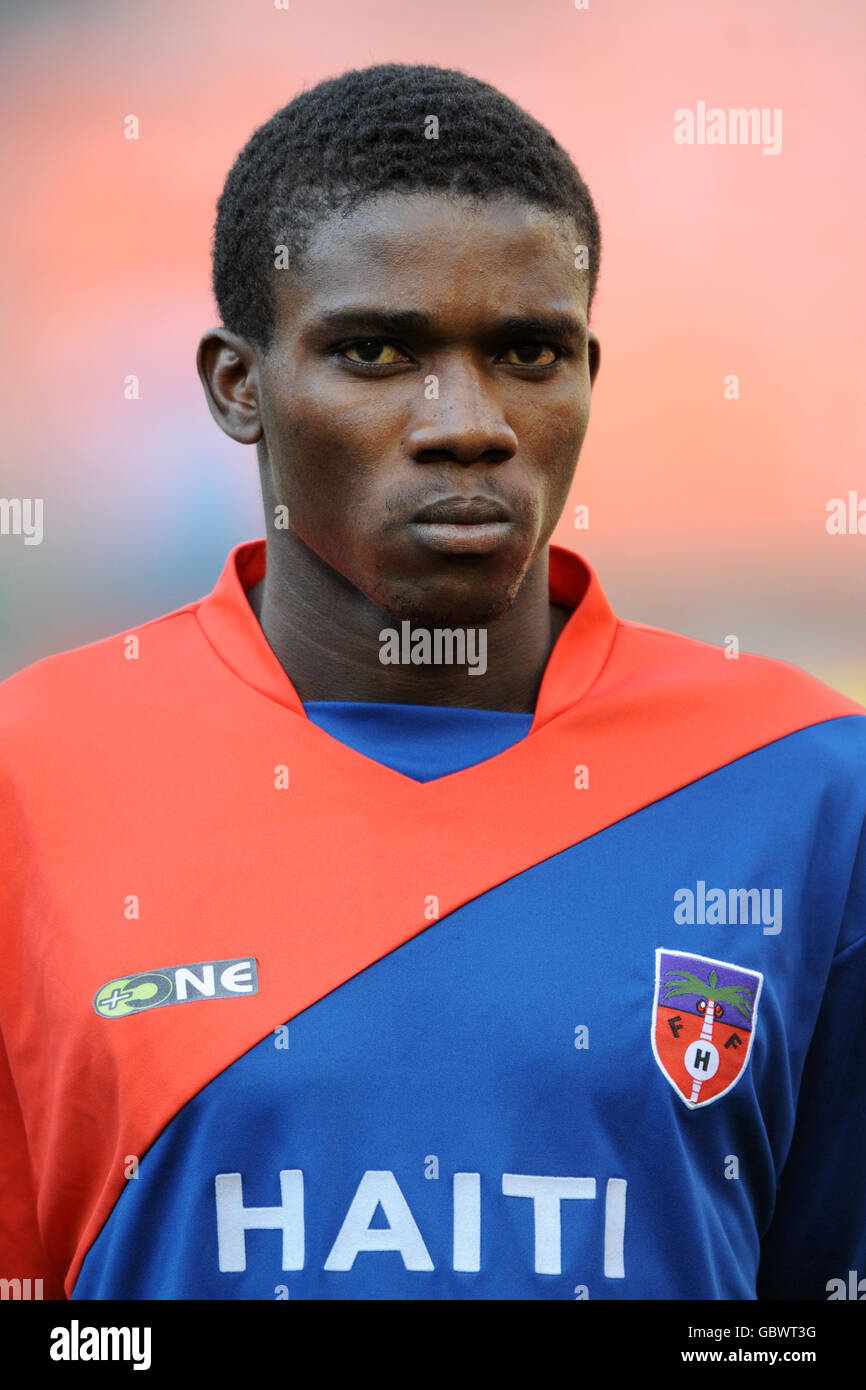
x=378, y=320
x=554, y=325
x=400, y=321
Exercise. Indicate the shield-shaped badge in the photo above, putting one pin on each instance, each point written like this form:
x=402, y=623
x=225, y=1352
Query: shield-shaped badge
x=703, y=1026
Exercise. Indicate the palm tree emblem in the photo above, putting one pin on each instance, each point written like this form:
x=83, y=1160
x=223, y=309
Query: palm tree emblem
x=701, y=1058
x=709, y=991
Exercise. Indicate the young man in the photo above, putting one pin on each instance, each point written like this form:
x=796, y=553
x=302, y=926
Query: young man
x=396, y=922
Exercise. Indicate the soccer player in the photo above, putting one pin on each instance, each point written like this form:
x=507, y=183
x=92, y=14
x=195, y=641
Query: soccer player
x=396, y=922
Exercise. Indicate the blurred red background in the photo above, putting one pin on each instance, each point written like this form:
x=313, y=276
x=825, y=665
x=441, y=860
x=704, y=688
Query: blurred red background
x=707, y=515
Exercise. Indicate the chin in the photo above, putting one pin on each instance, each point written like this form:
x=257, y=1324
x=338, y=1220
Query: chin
x=440, y=604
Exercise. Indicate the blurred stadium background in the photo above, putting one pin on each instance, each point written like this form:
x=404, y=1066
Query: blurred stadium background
x=707, y=516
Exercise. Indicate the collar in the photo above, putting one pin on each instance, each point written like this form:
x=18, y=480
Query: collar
x=578, y=656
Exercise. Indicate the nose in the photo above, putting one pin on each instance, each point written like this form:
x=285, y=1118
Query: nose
x=463, y=421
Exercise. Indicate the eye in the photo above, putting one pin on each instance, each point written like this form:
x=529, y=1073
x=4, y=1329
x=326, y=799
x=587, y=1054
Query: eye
x=527, y=354
x=372, y=352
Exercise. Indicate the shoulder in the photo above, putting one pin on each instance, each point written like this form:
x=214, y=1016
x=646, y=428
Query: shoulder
x=75, y=691
x=719, y=693
x=676, y=658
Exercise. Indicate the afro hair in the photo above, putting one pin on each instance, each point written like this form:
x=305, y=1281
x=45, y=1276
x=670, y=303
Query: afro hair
x=364, y=133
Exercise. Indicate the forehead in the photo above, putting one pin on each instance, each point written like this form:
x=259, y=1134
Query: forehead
x=441, y=252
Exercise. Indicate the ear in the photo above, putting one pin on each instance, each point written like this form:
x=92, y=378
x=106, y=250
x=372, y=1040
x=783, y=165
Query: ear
x=593, y=352
x=229, y=372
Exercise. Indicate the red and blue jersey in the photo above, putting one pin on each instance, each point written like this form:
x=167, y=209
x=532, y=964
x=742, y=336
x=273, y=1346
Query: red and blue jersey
x=350, y=1001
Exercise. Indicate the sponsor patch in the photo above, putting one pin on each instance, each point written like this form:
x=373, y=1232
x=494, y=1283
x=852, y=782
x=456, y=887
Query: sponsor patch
x=177, y=984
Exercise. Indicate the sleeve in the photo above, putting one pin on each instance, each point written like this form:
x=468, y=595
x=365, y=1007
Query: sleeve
x=815, y=1247
x=22, y=1255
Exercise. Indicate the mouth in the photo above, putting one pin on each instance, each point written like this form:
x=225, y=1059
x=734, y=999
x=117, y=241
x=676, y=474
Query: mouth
x=463, y=525
x=463, y=511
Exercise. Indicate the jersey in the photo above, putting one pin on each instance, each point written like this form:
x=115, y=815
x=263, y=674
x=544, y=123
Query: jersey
x=345, y=1002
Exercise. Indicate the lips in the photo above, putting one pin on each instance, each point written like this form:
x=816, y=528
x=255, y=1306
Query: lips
x=462, y=511
x=463, y=525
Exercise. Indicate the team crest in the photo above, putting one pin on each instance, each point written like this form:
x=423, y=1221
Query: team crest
x=704, y=1018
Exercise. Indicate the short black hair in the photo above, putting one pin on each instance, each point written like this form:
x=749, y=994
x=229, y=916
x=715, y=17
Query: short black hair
x=363, y=133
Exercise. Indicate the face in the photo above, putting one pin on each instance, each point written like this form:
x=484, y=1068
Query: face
x=424, y=401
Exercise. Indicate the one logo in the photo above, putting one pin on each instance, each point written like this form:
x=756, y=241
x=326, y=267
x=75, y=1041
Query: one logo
x=704, y=1019
x=176, y=984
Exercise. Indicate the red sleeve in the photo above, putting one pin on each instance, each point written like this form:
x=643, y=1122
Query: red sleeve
x=22, y=1255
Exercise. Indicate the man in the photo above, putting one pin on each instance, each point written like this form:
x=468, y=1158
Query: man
x=396, y=922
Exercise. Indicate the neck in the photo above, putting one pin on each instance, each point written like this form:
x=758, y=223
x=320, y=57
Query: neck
x=326, y=635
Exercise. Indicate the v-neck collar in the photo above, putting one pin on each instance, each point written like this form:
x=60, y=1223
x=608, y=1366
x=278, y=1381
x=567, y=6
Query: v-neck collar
x=575, y=662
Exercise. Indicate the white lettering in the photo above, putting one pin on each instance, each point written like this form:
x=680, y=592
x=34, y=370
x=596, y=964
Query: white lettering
x=547, y=1193
x=234, y=1219
x=467, y=1222
x=614, y=1228
x=184, y=976
x=356, y=1234
x=238, y=977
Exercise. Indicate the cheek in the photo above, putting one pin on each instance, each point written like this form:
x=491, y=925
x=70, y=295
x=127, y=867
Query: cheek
x=327, y=412
x=329, y=476
x=564, y=428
